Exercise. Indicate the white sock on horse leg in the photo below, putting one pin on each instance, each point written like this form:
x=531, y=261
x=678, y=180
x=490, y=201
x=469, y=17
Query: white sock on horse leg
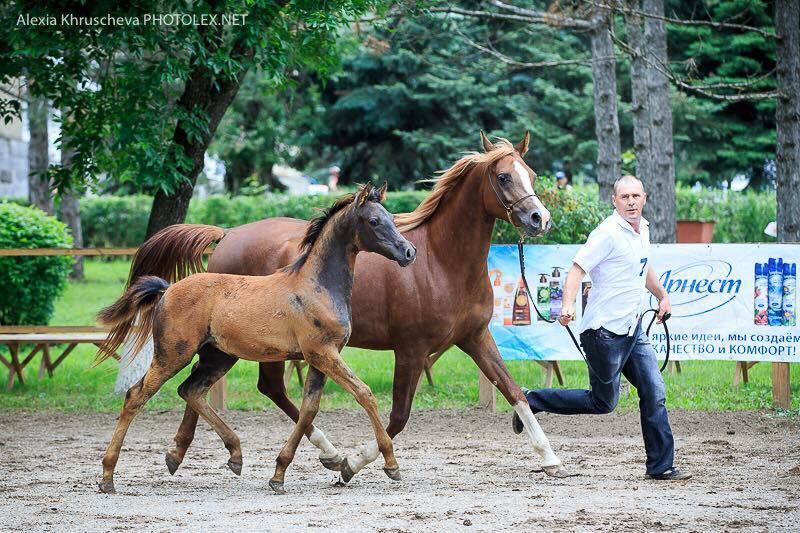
x=367, y=454
x=326, y=449
x=534, y=432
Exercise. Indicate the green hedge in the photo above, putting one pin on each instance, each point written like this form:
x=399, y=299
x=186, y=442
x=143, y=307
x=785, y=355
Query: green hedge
x=121, y=221
x=31, y=285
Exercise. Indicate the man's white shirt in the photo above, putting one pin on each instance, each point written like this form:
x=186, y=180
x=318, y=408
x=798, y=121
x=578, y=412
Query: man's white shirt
x=616, y=259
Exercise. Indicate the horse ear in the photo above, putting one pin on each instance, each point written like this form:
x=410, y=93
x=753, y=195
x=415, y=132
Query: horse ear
x=382, y=191
x=487, y=144
x=363, y=194
x=522, y=147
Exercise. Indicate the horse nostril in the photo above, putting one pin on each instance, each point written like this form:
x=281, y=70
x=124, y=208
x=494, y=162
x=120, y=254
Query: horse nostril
x=536, y=219
x=410, y=252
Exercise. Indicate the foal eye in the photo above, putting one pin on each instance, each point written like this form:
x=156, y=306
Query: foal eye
x=373, y=222
x=504, y=176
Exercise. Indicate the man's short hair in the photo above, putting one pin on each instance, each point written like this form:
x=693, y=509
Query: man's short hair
x=627, y=177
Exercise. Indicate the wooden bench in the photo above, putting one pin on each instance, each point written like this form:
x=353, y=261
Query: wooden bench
x=42, y=339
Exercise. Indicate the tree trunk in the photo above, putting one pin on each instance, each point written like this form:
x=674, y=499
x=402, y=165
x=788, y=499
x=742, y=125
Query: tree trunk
x=660, y=185
x=38, y=160
x=639, y=97
x=787, y=115
x=71, y=214
x=213, y=98
x=609, y=161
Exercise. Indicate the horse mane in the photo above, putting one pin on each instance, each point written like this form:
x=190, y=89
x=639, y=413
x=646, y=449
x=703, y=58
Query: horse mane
x=316, y=225
x=447, y=180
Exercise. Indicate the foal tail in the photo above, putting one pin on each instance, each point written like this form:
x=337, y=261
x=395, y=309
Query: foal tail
x=140, y=300
x=174, y=252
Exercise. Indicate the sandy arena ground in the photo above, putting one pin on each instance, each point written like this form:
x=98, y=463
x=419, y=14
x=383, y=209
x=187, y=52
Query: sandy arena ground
x=461, y=470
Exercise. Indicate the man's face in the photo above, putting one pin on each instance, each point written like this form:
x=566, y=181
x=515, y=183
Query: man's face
x=629, y=200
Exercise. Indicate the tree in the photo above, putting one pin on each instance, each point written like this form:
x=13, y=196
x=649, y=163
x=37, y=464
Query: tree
x=609, y=161
x=38, y=157
x=146, y=98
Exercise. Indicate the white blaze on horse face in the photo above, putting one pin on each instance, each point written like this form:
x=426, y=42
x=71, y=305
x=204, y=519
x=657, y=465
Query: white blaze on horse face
x=326, y=449
x=523, y=176
x=534, y=432
x=367, y=454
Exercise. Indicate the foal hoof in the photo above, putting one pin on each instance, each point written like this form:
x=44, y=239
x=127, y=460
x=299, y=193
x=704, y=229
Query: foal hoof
x=557, y=471
x=393, y=473
x=107, y=487
x=277, y=487
x=172, y=463
x=235, y=466
x=345, y=471
x=332, y=463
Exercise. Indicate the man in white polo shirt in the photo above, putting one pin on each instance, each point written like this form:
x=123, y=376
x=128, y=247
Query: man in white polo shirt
x=616, y=256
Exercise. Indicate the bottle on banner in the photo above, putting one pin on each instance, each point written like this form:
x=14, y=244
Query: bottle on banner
x=556, y=294
x=521, y=315
x=508, y=303
x=760, y=303
x=789, y=294
x=497, y=293
x=543, y=297
x=775, y=292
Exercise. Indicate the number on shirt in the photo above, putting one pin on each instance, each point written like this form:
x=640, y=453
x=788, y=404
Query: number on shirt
x=644, y=264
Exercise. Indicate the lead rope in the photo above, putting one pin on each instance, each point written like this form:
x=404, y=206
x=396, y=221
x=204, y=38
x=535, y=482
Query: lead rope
x=521, y=254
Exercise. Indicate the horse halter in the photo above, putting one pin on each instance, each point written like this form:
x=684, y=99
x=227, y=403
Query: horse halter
x=507, y=207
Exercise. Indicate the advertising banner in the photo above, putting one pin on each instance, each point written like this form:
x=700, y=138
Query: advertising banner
x=729, y=301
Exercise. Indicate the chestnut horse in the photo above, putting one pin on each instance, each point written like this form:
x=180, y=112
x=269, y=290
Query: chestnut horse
x=300, y=312
x=444, y=299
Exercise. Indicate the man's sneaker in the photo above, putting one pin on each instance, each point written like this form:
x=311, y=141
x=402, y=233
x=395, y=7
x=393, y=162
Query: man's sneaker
x=516, y=424
x=673, y=474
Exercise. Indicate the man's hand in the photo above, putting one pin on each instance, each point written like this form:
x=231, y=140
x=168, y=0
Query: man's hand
x=664, y=307
x=567, y=312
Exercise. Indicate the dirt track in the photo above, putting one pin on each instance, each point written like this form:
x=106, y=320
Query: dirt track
x=461, y=470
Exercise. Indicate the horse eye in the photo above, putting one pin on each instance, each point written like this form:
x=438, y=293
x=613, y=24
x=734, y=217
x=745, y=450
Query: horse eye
x=504, y=176
x=373, y=222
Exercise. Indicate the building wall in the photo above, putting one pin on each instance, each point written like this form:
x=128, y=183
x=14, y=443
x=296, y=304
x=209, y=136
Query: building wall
x=14, y=158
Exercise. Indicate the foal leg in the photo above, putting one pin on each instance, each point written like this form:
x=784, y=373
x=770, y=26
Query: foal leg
x=208, y=359
x=408, y=367
x=270, y=383
x=136, y=397
x=483, y=350
x=315, y=382
x=213, y=366
x=329, y=361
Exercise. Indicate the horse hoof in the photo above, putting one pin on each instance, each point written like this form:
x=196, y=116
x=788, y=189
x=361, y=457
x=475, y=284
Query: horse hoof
x=557, y=471
x=235, y=466
x=277, y=487
x=345, y=471
x=331, y=463
x=393, y=473
x=172, y=463
x=107, y=487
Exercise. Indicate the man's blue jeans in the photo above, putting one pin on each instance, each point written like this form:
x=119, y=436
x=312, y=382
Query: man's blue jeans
x=605, y=352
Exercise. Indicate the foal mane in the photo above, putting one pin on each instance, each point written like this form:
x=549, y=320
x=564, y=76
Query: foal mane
x=447, y=180
x=316, y=225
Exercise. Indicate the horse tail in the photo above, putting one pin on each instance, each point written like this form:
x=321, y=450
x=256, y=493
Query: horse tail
x=174, y=252
x=140, y=300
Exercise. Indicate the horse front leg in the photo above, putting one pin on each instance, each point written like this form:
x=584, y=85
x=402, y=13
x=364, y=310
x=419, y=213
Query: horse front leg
x=270, y=384
x=483, y=350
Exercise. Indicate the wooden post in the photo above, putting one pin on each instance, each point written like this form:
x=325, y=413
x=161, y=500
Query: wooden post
x=781, y=394
x=486, y=393
x=219, y=394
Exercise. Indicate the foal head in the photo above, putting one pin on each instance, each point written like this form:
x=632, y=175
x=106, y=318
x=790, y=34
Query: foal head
x=375, y=229
x=509, y=191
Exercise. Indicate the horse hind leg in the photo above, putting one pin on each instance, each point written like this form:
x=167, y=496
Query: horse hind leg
x=271, y=384
x=213, y=365
x=315, y=382
x=136, y=397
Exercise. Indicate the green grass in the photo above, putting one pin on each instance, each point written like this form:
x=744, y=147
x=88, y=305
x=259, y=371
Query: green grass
x=703, y=385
